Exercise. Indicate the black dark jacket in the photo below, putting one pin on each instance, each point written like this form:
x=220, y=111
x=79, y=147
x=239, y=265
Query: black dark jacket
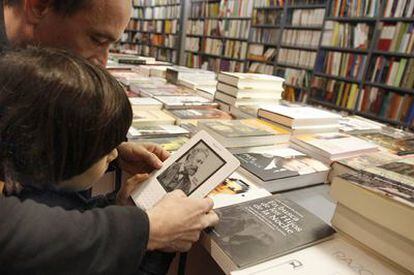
x=37, y=239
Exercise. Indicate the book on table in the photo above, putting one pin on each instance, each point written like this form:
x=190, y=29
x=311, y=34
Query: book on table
x=195, y=115
x=245, y=132
x=186, y=102
x=151, y=117
x=281, y=169
x=153, y=131
x=329, y=147
x=169, y=143
x=251, y=80
x=256, y=231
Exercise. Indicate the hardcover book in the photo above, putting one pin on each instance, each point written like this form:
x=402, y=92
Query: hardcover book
x=282, y=169
x=260, y=230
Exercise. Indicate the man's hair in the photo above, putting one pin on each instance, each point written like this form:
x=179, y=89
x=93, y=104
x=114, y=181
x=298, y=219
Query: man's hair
x=59, y=115
x=63, y=6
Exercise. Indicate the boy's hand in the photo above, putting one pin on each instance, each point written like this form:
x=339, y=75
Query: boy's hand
x=177, y=221
x=123, y=196
x=141, y=158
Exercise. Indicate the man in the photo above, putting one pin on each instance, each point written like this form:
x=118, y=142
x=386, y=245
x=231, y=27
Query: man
x=36, y=239
x=178, y=175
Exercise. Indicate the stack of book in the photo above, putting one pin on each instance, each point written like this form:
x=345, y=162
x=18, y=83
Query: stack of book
x=235, y=89
x=376, y=207
x=329, y=147
x=301, y=119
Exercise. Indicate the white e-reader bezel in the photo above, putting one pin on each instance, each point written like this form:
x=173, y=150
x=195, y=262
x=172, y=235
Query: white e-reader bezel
x=151, y=191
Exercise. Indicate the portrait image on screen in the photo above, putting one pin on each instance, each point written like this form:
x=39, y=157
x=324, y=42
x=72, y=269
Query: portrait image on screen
x=192, y=169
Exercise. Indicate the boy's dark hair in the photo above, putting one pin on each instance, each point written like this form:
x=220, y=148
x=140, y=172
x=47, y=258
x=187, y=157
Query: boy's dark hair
x=63, y=6
x=59, y=114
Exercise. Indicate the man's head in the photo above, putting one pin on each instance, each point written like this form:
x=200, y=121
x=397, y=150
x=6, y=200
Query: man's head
x=86, y=27
x=194, y=160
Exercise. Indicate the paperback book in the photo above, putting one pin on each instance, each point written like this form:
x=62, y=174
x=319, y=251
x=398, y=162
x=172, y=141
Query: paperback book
x=271, y=227
x=282, y=169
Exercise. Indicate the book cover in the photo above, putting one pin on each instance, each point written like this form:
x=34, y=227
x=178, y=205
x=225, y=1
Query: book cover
x=279, y=164
x=255, y=231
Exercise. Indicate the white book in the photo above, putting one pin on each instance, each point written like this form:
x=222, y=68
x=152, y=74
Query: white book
x=250, y=80
x=295, y=116
x=333, y=146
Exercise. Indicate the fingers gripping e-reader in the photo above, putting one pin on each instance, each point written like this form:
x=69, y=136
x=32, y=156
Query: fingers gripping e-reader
x=196, y=169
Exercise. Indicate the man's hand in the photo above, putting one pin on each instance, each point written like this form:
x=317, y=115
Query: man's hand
x=123, y=195
x=141, y=158
x=176, y=222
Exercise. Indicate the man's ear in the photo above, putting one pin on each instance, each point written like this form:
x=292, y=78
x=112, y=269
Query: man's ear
x=36, y=10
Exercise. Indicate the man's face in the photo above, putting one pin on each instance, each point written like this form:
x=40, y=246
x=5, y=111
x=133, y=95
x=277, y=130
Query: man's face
x=193, y=162
x=88, y=32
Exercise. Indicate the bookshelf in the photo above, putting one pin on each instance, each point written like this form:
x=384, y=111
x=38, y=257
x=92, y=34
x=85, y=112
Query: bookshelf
x=217, y=34
x=359, y=68
x=154, y=29
x=264, y=36
x=291, y=31
x=301, y=35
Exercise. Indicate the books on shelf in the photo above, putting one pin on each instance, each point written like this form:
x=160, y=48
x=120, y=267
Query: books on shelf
x=235, y=49
x=156, y=131
x=304, y=38
x=306, y=17
x=294, y=116
x=339, y=93
x=268, y=17
x=236, y=8
x=346, y=35
x=195, y=115
x=245, y=132
x=354, y=8
x=305, y=59
x=281, y=169
x=262, y=53
x=264, y=36
x=387, y=104
x=329, y=147
x=397, y=72
x=398, y=38
x=345, y=65
x=270, y=226
x=394, y=8
x=234, y=190
x=151, y=118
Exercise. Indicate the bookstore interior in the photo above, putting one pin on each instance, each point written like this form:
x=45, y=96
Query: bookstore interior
x=295, y=116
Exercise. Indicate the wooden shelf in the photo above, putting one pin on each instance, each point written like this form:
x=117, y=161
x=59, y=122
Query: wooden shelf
x=338, y=78
x=392, y=88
